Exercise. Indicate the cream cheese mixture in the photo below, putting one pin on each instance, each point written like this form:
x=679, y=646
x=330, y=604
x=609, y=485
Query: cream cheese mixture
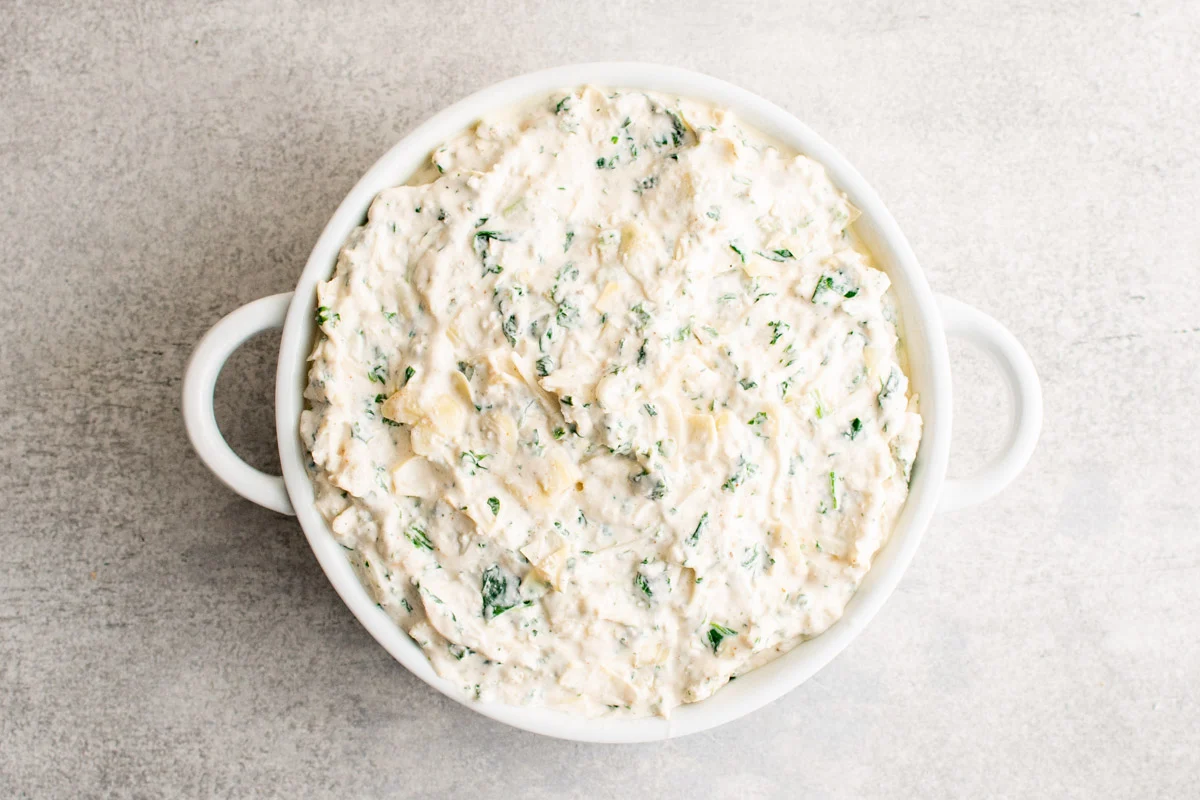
x=610, y=407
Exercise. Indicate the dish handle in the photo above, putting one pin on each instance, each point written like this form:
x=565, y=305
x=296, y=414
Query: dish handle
x=1025, y=404
x=199, y=383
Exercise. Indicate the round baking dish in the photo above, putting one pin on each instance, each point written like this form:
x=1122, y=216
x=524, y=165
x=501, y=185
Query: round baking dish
x=927, y=320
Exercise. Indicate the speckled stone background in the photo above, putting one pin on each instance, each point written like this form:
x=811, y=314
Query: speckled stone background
x=163, y=162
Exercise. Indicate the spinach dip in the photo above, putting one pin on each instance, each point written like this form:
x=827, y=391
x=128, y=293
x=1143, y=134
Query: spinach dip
x=608, y=405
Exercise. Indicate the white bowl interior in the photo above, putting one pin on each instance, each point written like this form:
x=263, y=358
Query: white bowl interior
x=922, y=330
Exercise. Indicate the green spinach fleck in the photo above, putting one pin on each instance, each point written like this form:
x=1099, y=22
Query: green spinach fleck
x=718, y=633
x=888, y=386
x=678, y=129
x=775, y=255
x=482, y=246
x=695, y=537
x=419, y=538
x=833, y=284
x=744, y=471
x=510, y=328
x=475, y=460
x=498, y=589
x=641, y=316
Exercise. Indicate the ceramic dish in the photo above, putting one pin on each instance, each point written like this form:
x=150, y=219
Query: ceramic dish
x=927, y=320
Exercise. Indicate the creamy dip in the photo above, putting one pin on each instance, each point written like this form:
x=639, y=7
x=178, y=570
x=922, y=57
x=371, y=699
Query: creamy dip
x=610, y=407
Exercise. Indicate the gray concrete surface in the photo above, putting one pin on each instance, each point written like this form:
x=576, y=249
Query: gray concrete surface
x=163, y=162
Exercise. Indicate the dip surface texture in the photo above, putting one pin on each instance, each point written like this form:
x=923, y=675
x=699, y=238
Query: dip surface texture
x=611, y=406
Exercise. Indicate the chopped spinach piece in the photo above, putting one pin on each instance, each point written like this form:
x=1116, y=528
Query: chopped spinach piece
x=494, y=505
x=695, y=537
x=498, y=588
x=835, y=283
x=482, y=247
x=775, y=255
x=888, y=386
x=717, y=633
x=567, y=315
x=646, y=183
x=475, y=460
x=418, y=538
x=568, y=272
x=745, y=470
x=678, y=129
x=641, y=316
x=510, y=328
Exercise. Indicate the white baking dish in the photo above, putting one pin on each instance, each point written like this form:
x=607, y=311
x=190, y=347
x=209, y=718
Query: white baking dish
x=927, y=320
